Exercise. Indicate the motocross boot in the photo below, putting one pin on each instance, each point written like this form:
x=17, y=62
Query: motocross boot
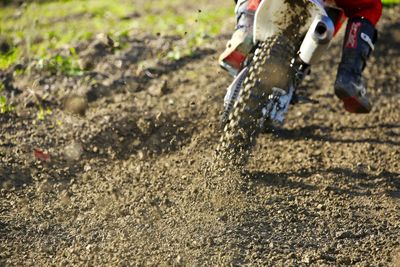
x=358, y=45
x=241, y=42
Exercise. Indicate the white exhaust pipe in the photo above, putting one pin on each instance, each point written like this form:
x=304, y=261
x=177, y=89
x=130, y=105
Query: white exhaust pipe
x=317, y=39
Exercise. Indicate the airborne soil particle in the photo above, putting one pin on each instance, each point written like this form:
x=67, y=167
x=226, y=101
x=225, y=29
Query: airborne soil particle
x=141, y=186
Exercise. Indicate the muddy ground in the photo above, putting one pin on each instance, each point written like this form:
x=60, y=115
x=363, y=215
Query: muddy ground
x=132, y=180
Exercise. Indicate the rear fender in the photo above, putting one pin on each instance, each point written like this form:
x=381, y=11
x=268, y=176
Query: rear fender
x=274, y=16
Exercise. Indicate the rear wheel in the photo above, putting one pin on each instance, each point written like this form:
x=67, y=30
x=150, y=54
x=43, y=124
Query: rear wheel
x=269, y=68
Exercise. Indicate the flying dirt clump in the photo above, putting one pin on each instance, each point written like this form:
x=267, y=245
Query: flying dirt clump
x=76, y=104
x=73, y=151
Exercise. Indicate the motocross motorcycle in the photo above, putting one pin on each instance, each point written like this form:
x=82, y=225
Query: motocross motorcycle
x=289, y=36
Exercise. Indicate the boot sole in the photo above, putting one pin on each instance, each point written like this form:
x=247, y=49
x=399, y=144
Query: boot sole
x=351, y=103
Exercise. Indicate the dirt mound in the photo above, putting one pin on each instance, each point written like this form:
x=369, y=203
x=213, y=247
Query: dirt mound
x=132, y=179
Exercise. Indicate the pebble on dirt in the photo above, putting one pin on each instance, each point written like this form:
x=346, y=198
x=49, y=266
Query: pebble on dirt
x=159, y=88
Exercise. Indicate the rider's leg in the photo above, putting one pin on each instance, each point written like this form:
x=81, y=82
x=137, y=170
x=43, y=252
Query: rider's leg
x=358, y=45
x=368, y=9
x=241, y=42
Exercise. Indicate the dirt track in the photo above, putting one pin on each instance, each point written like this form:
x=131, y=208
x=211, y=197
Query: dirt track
x=132, y=182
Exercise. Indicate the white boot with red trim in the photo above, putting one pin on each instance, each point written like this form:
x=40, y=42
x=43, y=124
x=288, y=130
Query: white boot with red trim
x=241, y=42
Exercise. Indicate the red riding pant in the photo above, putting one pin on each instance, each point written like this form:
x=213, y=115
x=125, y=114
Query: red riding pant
x=369, y=9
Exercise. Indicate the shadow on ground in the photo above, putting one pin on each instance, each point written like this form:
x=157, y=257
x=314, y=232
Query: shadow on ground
x=362, y=183
x=322, y=133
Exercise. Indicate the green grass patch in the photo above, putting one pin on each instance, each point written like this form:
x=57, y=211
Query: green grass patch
x=5, y=106
x=9, y=58
x=192, y=26
x=390, y=2
x=37, y=30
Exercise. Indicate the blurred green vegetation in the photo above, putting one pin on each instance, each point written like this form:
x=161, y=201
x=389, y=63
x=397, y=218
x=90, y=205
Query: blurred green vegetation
x=36, y=30
x=389, y=2
x=5, y=106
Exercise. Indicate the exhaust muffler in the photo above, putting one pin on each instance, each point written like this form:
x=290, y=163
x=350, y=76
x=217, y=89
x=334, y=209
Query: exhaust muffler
x=317, y=39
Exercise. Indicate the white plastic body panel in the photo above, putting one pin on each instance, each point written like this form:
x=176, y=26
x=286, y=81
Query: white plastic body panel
x=273, y=16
